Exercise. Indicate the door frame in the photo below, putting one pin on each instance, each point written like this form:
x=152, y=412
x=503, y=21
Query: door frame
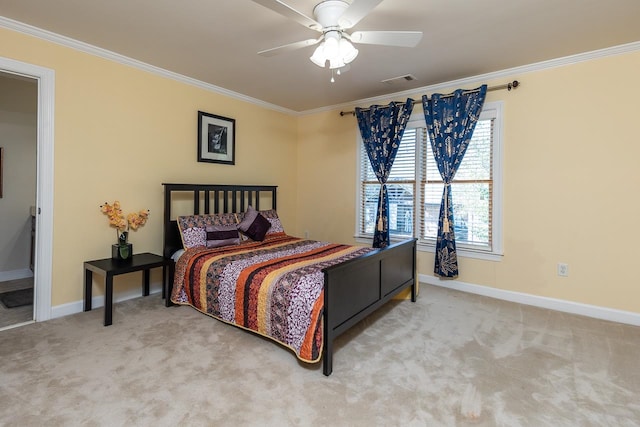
x=44, y=181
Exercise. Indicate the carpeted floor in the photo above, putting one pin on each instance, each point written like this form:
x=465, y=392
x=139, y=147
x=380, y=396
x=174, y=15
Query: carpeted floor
x=450, y=359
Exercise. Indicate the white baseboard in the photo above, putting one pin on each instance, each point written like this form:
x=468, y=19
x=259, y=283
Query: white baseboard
x=15, y=274
x=97, y=302
x=594, y=311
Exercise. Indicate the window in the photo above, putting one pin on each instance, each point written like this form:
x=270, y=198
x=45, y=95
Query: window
x=415, y=189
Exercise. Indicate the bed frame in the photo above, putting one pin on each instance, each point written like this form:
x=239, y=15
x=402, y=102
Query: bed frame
x=352, y=290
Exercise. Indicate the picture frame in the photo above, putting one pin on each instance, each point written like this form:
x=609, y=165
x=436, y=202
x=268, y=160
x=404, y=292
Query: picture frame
x=216, y=139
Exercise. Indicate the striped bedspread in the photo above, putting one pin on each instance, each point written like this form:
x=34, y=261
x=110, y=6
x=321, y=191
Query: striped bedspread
x=274, y=287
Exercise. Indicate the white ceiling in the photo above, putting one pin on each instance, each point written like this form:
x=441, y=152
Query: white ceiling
x=215, y=41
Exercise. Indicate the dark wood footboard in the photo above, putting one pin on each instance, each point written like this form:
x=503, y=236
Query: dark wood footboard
x=356, y=288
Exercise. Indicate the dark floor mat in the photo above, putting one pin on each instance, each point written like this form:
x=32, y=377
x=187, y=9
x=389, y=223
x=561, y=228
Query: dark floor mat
x=17, y=298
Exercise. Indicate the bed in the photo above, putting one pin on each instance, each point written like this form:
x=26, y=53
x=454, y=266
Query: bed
x=248, y=282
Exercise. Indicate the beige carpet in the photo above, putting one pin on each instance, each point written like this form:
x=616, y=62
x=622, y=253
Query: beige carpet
x=450, y=359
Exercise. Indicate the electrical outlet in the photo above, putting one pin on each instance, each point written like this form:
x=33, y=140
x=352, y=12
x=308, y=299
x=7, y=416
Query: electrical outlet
x=306, y=234
x=563, y=269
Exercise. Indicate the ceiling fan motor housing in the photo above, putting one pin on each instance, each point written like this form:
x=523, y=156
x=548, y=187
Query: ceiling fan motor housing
x=328, y=14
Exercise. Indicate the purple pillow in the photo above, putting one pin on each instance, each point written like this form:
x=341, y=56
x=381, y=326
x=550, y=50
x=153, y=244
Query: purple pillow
x=254, y=225
x=222, y=235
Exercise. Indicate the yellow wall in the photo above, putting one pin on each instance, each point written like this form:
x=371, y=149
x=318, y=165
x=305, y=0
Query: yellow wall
x=571, y=157
x=327, y=154
x=120, y=133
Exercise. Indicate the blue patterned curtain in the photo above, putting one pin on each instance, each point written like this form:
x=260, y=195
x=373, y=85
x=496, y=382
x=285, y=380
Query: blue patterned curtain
x=381, y=128
x=450, y=123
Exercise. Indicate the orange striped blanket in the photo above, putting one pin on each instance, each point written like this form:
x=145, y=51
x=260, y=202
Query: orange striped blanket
x=274, y=287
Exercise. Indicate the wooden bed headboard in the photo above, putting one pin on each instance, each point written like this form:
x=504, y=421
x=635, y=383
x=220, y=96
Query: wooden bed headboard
x=209, y=199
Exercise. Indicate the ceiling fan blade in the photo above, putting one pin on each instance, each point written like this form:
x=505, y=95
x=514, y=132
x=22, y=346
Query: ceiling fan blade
x=289, y=47
x=356, y=11
x=289, y=12
x=388, y=38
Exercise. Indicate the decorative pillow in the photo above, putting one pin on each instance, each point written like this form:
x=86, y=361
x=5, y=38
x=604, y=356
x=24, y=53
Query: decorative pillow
x=193, y=236
x=254, y=224
x=192, y=227
x=222, y=235
x=272, y=216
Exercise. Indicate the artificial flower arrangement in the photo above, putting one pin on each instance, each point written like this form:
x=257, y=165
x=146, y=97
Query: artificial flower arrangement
x=121, y=223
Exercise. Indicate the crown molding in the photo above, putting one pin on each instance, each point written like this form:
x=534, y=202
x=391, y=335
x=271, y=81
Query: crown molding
x=121, y=59
x=483, y=78
x=479, y=79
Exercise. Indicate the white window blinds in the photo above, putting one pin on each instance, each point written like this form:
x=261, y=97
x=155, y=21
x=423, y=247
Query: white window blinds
x=415, y=188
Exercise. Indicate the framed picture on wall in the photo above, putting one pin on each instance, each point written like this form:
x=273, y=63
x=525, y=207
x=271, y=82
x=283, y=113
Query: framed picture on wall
x=216, y=139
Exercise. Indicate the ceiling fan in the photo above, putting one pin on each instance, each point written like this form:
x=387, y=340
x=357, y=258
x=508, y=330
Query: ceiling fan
x=333, y=18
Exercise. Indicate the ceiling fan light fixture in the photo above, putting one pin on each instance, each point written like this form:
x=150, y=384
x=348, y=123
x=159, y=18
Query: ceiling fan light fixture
x=331, y=46
x=347, y=51
x=336, y=62
x=318, y=56
x=335, y=49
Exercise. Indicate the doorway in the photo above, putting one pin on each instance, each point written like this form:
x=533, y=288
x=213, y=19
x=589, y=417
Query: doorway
x=40, y=210
x=18, y=154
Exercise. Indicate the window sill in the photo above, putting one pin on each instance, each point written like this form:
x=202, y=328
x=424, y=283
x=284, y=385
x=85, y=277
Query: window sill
x=462, y=252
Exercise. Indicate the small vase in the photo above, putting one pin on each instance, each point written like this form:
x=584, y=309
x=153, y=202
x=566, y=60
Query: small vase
x=122, y=250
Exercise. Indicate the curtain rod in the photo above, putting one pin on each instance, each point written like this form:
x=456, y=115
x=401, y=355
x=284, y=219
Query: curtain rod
x=508, y=86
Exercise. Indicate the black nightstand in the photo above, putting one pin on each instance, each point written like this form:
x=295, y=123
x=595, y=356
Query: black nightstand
x=110, y=267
